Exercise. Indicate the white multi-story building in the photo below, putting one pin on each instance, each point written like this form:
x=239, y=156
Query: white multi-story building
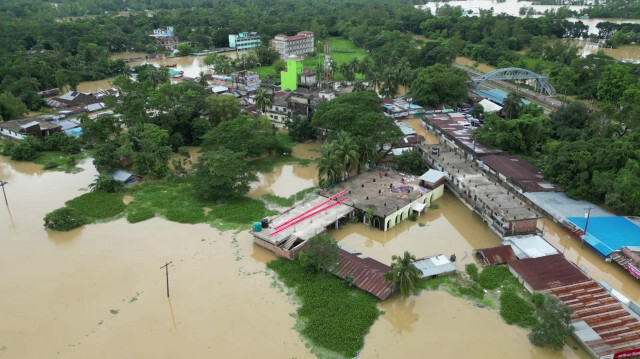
x=244, y=40
x=301, y=43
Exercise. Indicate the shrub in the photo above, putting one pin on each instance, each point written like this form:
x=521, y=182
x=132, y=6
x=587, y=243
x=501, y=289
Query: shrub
x=63, y=219
x=413, y=217
x=7, y=147
x=474, y=291
x=354, y=219
x=472, y=271
x=494, y=276
x=98, y=205
x=434, y=206
x=24, y=151
x=106, y=184
x=60, y=141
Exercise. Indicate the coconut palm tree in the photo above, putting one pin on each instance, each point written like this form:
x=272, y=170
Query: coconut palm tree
x=359, y=86
x=347, y=152
x=328, y=164
x=365, y=67
x=263, y=99
x=354, y=65
x=512, y=105
x=404, y=274
x=366, y=153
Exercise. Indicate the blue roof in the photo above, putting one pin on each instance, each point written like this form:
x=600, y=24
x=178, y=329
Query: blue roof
x=608, y=234
x=497, y=96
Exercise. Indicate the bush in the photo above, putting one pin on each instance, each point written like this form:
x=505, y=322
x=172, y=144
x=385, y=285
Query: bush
x=107, y=184
x=63, y=219
x=98, y=205
x=7, y=147
x=494, y=276
x=413, y=217
x=516, y=310
x=24, y=151
x=472, y=271
x=60, y=141
x=475, y=291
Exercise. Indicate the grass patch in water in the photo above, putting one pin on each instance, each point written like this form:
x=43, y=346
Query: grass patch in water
x=336, y=318
x=139, y=214
x=59, y=161
x=516, y=310
x=98, y=205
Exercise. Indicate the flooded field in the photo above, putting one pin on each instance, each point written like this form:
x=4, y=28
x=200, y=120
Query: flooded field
x=285, y=181
x=74, y=294
x=509, y=7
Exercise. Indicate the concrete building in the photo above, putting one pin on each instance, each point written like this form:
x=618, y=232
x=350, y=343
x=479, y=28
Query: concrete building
x=40, y=127
x=165, y=38
x=244, y=40
x=245, y=81
x=289, y=77
x=299, y=44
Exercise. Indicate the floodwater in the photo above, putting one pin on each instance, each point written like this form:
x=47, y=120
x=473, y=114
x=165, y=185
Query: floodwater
x=418, y=126
x=285, y=181
x=509, y=7
x=75, y=294
x=469, y=62
x=191, y=65
x=623, y=53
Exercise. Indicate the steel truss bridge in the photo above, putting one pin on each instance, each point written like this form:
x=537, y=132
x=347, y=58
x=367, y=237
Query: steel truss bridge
x=516, y=73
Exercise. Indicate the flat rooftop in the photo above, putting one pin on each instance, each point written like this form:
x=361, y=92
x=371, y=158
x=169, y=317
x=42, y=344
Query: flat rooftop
x=380, y=191
x=609, y=234
x=560, y=207
x=307, y=228
x=520, y=172
x=488, y=192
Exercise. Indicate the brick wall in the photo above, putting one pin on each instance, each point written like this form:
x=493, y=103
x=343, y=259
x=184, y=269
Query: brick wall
x=525, y=226
x=275, y=249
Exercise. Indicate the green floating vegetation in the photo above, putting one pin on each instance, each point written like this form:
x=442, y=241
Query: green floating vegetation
x=289, y=201
x=335, y=317
x=137, y=214
x=98, y=205
x=516, y=310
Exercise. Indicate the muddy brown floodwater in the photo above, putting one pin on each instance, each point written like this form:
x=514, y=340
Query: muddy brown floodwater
x=74, y=294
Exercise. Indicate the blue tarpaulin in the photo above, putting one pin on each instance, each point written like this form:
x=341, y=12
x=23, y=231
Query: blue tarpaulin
x=608, y=234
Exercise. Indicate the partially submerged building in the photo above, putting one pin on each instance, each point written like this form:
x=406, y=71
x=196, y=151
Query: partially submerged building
x=367, y=273
x=39, y=126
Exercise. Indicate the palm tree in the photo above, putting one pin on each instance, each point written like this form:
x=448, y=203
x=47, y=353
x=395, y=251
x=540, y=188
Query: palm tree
x=512, y=105
x=359, y=86
x=404, y=274
x=365, y=67
x=346, y=151
x=263, y=99
x=354, y=65
x=366, y=153
x=328, y=163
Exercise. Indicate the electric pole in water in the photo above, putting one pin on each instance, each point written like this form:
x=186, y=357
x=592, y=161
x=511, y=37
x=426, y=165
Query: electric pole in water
x=2, y=183
x=586, y=224
x=166, y=269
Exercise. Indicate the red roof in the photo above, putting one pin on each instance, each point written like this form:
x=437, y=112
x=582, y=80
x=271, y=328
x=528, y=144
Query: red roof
x=519, y=171
x=305, y=32
x=496, y=255
x=547, y=272
x=296, y=37
x=617, y=329
x=367, y=273
x=281, y=35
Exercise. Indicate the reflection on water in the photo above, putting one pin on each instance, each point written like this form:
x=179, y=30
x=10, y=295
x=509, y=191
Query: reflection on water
x=307, y=151
x=285, y=181
x=450, y=327
x=450, y=229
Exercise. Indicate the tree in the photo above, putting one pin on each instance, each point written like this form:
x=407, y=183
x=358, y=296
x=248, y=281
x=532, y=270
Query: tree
x=329, y=164
x=263, y=99
x=440, y=84
x=404, y=275
x=266, y=55
x=300, y=129
x=184, y=50
x=554, y=323
x=359, y=86
x=11, y=107
x=107, y=184
x=63, y=219
x=615, y=80
x=512, y=105
x=149, y=75
x=410, y=161
x=222, y=108
x=222, y=174
x=106, y=157
x=148, y=148
x=478, y=111
x=322, y=252
x=346, y=151
x=253, y=136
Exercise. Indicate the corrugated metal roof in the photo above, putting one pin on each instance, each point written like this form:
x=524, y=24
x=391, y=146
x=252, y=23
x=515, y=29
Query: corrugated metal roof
x=497, y=255
x=547, y=272
x=367, y=272
x=434, y=265
x=601, y=322
x=121, y=175
x=519, y=171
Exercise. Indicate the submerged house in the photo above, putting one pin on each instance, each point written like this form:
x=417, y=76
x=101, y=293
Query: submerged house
x=125, y=176
x=40, y=127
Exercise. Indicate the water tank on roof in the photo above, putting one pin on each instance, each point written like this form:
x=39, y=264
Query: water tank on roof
x=257, y=226
x=265, y=223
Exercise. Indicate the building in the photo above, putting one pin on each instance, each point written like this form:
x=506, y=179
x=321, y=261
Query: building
x=245, y=81
x=40, y=127
x=289, y=77
x=299, y=44
x=244, y=40
x=165, y=38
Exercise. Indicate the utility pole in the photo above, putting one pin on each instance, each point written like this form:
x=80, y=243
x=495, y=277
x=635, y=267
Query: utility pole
x=586, y=224
x=166, y=269
x=2, y=183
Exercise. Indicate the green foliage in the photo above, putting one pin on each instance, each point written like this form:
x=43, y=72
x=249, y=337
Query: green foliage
x=404, y=275
x=553, y=326
x=24, y=151
x=97, y=205
x=253, y=136
x=472, y=271
x=440, y=84
x=493, y=277
x=222, y=174
x=140, y=214
x=516, y=310
x=63, y=219
x=410, y=161
x=300, y=129
x=60, y=141
x=524, y=135
x=337, y=318
x=50, y=165
x=322, y=252
x=107, y=184
x=58, y=161
x=289, y=201
x=473, y=291
x=348, y=281
x=11, y=107
x=222, y=108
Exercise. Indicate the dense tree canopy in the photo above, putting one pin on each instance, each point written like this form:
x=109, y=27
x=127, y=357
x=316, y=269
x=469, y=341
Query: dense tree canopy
x=440, y=84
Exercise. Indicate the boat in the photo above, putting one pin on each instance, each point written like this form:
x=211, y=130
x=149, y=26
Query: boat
x=170, y=65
